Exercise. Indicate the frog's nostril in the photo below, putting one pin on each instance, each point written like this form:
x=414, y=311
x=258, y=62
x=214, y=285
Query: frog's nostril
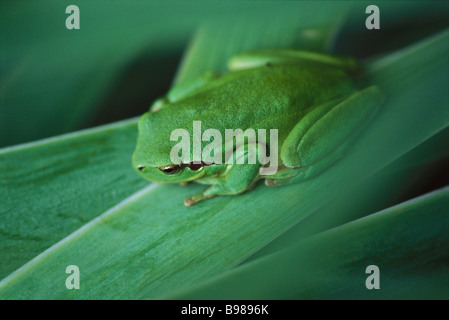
x=141, y=167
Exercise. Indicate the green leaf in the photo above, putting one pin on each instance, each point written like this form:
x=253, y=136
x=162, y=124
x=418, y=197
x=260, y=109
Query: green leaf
x=53, y=187
x=408, y=243
x=416, y=170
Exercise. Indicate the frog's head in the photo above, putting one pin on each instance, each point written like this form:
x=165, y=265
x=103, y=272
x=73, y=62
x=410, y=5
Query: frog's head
x=151, y=158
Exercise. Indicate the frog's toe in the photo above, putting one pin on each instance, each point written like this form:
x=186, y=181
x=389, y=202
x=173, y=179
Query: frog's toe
x=190, y=201
x=271, y=182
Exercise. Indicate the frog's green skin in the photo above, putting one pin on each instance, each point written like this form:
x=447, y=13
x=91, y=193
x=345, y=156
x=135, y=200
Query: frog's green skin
x=312, y=99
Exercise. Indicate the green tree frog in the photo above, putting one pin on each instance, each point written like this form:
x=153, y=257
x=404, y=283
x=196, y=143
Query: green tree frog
x=312, y=99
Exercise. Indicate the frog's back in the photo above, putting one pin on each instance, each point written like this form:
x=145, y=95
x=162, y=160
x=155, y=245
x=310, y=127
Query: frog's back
x=268, y=97
x=261, y=98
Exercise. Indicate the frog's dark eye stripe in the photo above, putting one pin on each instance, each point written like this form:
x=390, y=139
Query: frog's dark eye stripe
x=195, y=166
x=170, y=169
x=173, y=168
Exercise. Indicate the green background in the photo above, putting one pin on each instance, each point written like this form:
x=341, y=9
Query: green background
x=74, y=198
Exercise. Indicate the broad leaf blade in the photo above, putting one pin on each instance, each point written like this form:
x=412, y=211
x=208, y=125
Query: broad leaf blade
x=407, y=242
x=45, y=198
x=412, y=174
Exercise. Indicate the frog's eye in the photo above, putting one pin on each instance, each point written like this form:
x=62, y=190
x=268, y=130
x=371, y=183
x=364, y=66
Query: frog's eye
x=170, y=169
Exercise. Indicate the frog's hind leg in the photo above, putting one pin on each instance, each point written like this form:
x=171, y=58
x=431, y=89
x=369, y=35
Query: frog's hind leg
x=323, y=135
x=295, y=175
